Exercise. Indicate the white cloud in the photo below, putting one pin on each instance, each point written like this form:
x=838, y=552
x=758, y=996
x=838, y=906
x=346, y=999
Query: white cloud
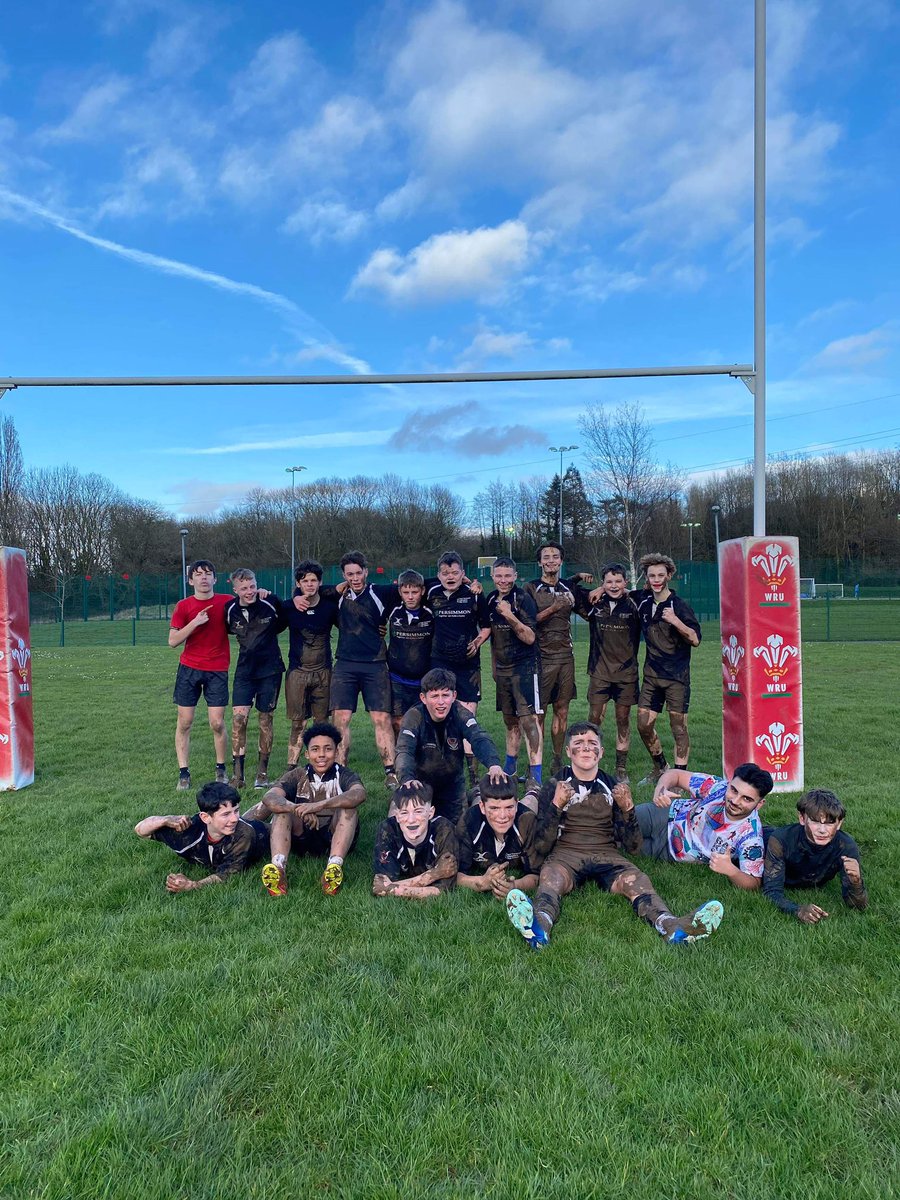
x=858, y=351
x=448, y=266
x=201, y=497
x=283, y=69
x=93, y=112
x=326, y=219
x=162, y=174
x=311, y=441
x=489, y=344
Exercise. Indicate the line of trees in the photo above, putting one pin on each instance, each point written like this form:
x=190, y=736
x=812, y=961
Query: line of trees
x=844, y=509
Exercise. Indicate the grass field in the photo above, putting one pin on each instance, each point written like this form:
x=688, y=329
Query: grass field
x=221, y=1044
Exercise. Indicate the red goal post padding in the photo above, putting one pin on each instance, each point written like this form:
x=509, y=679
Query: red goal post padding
x=762, y=701
x=16, y=716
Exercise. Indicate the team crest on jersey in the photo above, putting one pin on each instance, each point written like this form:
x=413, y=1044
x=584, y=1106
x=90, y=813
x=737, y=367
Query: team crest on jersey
x=452, y=743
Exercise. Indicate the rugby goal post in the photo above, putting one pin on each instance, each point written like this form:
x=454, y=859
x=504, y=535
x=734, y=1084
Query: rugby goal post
x=807, y=589
x=830, y=591
x=485, y=562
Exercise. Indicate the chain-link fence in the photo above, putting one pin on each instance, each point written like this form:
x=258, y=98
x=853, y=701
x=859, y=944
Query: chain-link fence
x=124, y=610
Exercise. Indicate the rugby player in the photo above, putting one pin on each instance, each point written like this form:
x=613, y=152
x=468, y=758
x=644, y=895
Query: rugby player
x=198, y=626
x=614, y=626
x=461, y=627
x=716, y=824
x=310, y=620
x=411, y=629
x=554, y=600
x=255, y=623
x=430, y=744
x=217, y=837
x=361, y=661
x=513, y=617
x=670, y=630
x=809, y=854
x=585, y=819
x=496, y=841
x=416, y=852
x=314, y=811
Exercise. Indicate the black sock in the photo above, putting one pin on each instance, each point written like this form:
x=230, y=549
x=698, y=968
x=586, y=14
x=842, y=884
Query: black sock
x=621, y=758
x=659, y=760
x=388, y=767
x=220, y=766
x=184, y=772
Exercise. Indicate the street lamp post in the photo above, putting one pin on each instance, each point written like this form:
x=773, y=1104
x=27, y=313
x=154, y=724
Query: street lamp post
x=510, y=529
x=292, y=471
x=184, y=534
x=716, y=509
x=691, y=526
x=561, y=450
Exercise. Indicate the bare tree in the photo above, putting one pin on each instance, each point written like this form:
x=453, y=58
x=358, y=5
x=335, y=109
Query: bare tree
x=11, y=477
x=624, y=470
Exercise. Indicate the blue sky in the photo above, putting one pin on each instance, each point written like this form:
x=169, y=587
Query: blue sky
x=193, y=189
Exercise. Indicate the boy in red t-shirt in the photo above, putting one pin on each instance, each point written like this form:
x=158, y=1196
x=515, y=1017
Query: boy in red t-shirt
x=198, y=626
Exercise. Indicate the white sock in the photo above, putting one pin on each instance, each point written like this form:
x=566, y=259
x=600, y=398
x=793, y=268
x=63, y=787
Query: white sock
x=280, y=860
x=335, y=860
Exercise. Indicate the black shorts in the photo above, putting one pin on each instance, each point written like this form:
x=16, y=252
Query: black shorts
x=189, y=683
x=263, y=689
x=306, y=694
x=403, y=697
x=450, y=798
x=557, y=682
x=656, y=693
x=349, y=679
x=468, y=678
x=601, y=690
x=519, y=694
x=317, y=842
x=260, y=841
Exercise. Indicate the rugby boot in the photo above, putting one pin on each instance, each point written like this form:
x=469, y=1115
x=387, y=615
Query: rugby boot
x=697, y=925
x=520, y=911
x=274, y=879
x=332, y=879
x=184, y=783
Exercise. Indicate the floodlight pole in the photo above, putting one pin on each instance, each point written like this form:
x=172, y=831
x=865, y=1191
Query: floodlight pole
x=562, y=450
x=292, y=471
x=183, y=533
x=759, y=271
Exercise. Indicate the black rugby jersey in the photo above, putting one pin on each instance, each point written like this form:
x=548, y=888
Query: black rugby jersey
x=396, y=858
x=509, y=649
x=793, y=861
x=668, y=653
x=614, y=628
x=360, y=621
x=555, y=633
x=458, y=618
x=256, y=628
x=591, y=822
x=478, y=848
x=409, y=648
x=310, y=632
x=225, y=857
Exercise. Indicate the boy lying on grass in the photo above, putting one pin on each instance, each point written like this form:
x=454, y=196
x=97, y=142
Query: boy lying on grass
x=496, y=841
x=809, y=854
x=415, y=851
x=217, y=837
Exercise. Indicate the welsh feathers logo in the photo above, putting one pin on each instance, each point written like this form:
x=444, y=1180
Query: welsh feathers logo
x=774, y=563
x=777, y=656
x=732, y=660
x=22, y=657
x=778, y=744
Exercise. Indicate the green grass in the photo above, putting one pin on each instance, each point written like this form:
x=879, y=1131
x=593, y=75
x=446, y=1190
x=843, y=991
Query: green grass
x=221, y=1044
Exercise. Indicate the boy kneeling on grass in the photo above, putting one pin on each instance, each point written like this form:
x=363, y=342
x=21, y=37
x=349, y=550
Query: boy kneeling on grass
x=496, y=841
x=314, y=810
x=416, y=853
x=809, y=854
x=218, y=837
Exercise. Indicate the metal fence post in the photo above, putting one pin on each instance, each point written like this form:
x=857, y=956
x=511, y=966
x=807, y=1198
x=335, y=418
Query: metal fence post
x=134, y=631
x=828, y=618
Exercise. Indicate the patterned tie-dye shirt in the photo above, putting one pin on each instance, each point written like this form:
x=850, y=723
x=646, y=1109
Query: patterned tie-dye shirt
x=699, y=828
